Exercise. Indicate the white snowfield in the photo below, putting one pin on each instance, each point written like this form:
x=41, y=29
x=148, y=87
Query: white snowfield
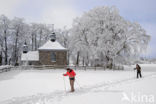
x=92, y=87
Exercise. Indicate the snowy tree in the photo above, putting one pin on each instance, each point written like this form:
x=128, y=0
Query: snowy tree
x=63, y=36
x=4, y=34
x=18, y=37
x=39, y=34
x=103, y=34
x=43, y=33
x=13, y=34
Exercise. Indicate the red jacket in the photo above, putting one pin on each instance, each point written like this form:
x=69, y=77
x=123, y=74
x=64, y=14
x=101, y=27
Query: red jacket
x=70, y=74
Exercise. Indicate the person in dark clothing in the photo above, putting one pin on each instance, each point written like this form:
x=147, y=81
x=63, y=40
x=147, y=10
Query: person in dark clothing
x=138, y=68
x=71, y=74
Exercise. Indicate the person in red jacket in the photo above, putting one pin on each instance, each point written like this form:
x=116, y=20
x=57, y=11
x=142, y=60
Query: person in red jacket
x=71, y=74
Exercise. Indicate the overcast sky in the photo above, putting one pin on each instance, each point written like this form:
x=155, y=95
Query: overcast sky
x=62, y=12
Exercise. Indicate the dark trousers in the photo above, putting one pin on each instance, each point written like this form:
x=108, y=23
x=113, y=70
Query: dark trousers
x=72, y=80
x=139, y=74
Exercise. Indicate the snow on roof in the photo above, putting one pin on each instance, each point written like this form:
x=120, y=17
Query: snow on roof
x=49, y=45
x=30, y=56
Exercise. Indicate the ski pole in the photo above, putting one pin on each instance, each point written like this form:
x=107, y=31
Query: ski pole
x=134, y=72
x=78, y=84
x=64, y=85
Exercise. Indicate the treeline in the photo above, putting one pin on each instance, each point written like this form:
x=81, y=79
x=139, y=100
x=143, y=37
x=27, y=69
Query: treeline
x=99, y=37
x=15, y=32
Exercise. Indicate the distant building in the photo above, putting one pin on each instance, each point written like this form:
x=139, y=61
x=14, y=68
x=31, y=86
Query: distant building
x=51, y=53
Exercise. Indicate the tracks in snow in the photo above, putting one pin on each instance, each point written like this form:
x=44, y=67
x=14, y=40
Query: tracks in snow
x=57, y=96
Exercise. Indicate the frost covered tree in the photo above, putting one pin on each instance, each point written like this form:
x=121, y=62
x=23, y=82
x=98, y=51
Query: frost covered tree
x=18, y=28
x=4, y=35
x=39, y=34
x=103, y=34
x=14, y=32
x=63, y=36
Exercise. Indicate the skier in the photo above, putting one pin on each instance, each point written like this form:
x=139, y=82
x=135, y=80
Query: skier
x=138, y=68
x=71, y=74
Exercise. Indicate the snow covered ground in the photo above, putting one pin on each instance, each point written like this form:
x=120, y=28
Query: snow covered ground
x=92, y=87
